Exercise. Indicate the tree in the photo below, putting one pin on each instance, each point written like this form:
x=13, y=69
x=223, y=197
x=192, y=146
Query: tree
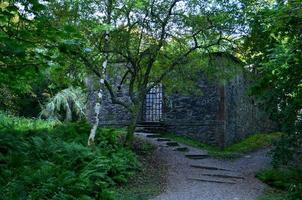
x=143, y=42
x=17, y=66
x=102, y=75
x=148, y=40
x=273, y=49
x=31, y=67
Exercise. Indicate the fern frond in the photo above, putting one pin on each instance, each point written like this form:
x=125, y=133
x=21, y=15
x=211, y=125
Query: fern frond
x=70, y=100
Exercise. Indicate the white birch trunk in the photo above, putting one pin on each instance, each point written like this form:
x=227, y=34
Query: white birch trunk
x=97, y=107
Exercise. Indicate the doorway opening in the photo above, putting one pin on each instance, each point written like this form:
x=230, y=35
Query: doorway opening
x=153, y=105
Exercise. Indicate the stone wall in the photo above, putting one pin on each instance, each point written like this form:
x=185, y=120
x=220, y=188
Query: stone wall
x=196, y=116
x=222, y=115
x=111, y=114
x=243, y=117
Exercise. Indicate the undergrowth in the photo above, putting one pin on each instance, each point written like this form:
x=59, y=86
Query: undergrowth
x=150, y=181
x=287, y=183
x=42, y=160
x=21, y=123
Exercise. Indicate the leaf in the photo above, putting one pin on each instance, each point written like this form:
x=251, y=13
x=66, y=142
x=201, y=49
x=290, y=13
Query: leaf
x=15, y=19
x=4, y=5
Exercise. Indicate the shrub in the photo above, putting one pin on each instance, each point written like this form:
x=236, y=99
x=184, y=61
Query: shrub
x=289, y=180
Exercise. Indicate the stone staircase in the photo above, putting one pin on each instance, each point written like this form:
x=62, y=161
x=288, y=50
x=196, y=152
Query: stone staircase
x=151, y=127
x=206, y=173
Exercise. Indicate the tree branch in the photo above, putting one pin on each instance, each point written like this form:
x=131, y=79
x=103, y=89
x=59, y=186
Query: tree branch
x=114, y=100
x=179, y=60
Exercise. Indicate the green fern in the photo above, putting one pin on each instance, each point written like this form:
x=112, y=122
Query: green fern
x=55, y=163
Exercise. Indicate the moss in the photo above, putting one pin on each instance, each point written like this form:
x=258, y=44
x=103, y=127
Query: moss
x=254, y=142
x=248, y=144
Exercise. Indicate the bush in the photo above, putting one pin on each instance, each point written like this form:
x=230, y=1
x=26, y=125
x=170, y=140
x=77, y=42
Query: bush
x=56, y=163
x=289, y=180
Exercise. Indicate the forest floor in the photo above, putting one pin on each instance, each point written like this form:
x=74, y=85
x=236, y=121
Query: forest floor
x=150, y=181
x=194, y=175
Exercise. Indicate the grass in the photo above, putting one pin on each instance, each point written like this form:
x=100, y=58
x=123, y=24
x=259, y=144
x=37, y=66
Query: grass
x=286, y=183
x=248, y=144
x=22, y=124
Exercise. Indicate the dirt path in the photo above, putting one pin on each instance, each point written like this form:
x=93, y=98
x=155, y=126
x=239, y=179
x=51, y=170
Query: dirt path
x=192, y=175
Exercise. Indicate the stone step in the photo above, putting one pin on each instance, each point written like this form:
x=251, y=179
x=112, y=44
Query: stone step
x=139, y=130
x=213, y=180
x=141, y=134
x=223, y=176
x=147, y=130
x=163, y=140
x=157, y=127
x=197, y=156
x=182, y=149
x=172, y=144
x=150, y=127
x=210, y=168
x=153, y=136
x=150, y=124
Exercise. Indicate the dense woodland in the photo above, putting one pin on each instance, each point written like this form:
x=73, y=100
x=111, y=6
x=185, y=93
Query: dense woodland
x=48, y=50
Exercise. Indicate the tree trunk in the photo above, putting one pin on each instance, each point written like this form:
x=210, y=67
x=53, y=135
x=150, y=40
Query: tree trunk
x=97, y=107
x=131, y=127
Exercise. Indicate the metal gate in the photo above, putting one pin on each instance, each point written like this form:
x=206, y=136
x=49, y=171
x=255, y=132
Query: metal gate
x=153, y=105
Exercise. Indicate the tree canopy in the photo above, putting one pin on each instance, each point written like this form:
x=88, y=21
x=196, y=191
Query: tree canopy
x=273, y=50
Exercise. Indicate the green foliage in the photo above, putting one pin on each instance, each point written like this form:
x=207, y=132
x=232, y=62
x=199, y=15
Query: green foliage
x=71, y=100
x=254, y=142
x=19, y=55
x=142, y=147
x=66, y=39
x=55, y=163
x=30, y=63
x=224, y=67
x=288, y=149
x=23, y=124
x=289, y=180
x=273, y=48
x=249, y=144
x=150, y=180
x=273, y=195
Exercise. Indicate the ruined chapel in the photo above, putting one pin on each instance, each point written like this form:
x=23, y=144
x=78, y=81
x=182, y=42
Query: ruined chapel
x=222, y=115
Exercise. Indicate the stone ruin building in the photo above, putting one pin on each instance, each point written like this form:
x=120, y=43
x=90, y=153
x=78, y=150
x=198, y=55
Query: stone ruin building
x=223, y=115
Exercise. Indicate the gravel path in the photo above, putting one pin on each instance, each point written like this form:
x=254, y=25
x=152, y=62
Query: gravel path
x=206, y=178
